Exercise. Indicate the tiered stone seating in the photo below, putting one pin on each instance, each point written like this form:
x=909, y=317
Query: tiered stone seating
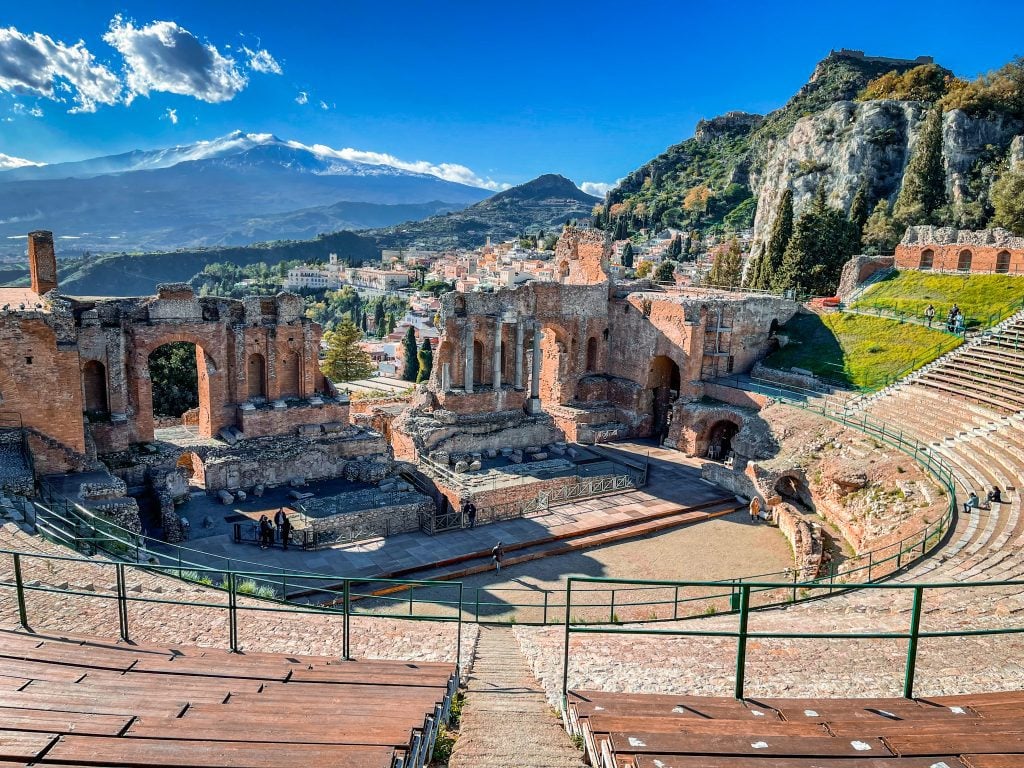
x=989, y=371
x=15, y=474
x=82, y=701
x=667, y=731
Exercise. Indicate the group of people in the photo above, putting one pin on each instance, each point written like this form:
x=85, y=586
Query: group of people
x=995, y=496
x=955, y=322
x=269, y=532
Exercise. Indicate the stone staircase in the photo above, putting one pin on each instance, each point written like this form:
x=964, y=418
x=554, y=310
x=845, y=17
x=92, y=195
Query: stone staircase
x=15, y=473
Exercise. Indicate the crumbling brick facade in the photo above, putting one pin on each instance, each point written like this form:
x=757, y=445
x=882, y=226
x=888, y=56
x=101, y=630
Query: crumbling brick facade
x=945, y=249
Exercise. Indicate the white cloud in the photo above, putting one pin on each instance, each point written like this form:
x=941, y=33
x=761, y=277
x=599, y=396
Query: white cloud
x=163, y=56
x=260, y=60
x=6, y=161
x=302, y=98
x=323, y=105
x=172, y=115
x=447, y=171
x=598, y=188
x=38, y=64
x=36, y=111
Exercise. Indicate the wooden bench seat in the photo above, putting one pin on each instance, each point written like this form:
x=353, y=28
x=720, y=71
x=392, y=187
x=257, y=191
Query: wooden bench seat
x=156, y=753
x=725, y=744
x=48, y=721
x=685, y=761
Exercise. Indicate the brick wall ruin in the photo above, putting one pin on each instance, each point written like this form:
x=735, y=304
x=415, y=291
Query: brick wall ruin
x=946, y=249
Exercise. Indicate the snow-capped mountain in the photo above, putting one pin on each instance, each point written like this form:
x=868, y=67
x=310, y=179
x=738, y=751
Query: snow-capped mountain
x=6, y=161
x=221, y=192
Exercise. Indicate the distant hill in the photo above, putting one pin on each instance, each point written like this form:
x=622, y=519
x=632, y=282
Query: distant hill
x=139, y=274
x=229, y=191
x=545, y=203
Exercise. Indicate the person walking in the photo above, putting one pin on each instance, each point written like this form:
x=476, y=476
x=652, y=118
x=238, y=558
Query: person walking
x=497, y=555
x=285, y=528
x=755, y=509
x=929, y=314
x=469, y=513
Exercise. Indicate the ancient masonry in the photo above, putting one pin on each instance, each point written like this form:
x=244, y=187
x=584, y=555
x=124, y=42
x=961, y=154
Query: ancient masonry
x=520, y=373
x=947, y=249
x=76, y=379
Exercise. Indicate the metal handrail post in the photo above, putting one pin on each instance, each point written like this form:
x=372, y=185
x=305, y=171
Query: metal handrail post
x=546, y=594
x=741, y=640
x=122, y=602
x=19, y=586
x=346, y=628
x=232, y=613
x=915, y=629
x=458, y=637
x=565, y=650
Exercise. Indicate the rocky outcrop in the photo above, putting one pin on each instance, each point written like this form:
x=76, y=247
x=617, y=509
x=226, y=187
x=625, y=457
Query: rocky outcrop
x=852, y=143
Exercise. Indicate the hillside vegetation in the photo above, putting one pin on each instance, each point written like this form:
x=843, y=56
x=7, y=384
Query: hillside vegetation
x=859, y=351
x=982, y=298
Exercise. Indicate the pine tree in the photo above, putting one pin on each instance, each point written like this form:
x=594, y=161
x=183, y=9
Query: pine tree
x=345, y=360
x=409, y=359
x=924, y=182
x=627, y=255
x=425, y=358
x=880, y=235
x=782, y=230
x=859, y=210
x=728, y=266
x=378, y=318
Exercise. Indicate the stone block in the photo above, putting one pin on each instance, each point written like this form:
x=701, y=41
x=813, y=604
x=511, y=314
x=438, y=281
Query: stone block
x=299, y=495
x=257, y=490
x=227, y=436
x=225, y=497
x=240, y=495
x=475, y=465
x=540, y=456
x=309, y=430
x=491, y=453
x=280, y=405
x=532, y=449
x=461, y=466
x=333, y=427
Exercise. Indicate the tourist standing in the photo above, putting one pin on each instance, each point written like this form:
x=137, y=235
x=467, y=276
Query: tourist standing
x=497, y=555
x=285, y=528
x=929, y=314
x=266, y=532
x=279, y=518
x=755, y=509
x=469, y=513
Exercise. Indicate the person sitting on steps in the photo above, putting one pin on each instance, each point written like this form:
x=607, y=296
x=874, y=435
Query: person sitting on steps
x=995, y=496
x=971, y=503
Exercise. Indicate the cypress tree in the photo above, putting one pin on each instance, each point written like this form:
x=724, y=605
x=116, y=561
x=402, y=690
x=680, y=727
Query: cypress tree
x=782, y=230
x=675, y=248
x=620, y=232
x=410, y=362
x=425, y=357
x=823, y=239
x=627, y=255
x=378, y=318
x=389, y=323
x=859, y=210
x=924, y=182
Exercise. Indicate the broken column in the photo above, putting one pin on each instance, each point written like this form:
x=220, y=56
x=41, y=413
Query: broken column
x=518, y=383
x=468, y=339
x=533, y=404
x=496, y=360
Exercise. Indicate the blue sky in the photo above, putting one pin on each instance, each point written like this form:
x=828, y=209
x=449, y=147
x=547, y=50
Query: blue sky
x=509, y=90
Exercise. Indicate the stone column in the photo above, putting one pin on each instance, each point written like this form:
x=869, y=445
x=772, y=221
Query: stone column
x=496, y=360
x=468, y=339
x=518, y=383
x=533, y=405
x=446, y=376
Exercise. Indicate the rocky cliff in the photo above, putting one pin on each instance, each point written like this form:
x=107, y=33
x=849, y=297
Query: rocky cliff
x=826, y=134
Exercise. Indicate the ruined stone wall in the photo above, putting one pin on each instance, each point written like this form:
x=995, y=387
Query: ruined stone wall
x=307, y=417
x=857, y=270
x=950, y=250
x=39, y=377
x=364, y=515
x=805, y=538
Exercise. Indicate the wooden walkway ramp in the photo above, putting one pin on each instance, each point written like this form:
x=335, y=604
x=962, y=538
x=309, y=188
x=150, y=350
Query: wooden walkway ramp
x=75, y=701
x=621, y=730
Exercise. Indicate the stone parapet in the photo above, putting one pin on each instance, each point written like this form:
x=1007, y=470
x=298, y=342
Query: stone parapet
x=270, y=420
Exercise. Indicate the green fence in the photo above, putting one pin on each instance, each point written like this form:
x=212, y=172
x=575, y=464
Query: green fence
x=913, y=634
x=236, y=587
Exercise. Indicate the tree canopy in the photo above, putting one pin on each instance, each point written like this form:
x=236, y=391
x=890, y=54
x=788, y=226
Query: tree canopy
x=345, y=360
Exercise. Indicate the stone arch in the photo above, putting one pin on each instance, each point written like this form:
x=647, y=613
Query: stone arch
x=792, y=488
x=209, y=384
x=591, y=354
x=717, y=439
x=963, y=261
x=256, y=376
x=192, y=465
x=1002, y=262
x=927, y=259
x=663, y=383
x=773, y=329
x=94, y=386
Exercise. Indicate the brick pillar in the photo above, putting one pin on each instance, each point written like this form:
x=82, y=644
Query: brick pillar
x=518, y=383
x=42, y=261
x=496, y=360
x=468, y=340
x=533, y=404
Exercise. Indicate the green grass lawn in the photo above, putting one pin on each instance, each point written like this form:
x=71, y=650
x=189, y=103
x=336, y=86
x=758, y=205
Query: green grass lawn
x=858, y=350
x=979, y=296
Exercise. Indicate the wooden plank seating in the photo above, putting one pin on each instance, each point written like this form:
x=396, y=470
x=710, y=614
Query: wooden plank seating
x=74, y=702
x=631, y=730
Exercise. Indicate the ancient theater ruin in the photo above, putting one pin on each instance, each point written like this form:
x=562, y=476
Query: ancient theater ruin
x=524, y=379
x=76, y=378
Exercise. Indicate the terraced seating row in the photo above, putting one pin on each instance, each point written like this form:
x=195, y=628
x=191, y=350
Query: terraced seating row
x=668, y=731
x=989, y=371
x=83, y=701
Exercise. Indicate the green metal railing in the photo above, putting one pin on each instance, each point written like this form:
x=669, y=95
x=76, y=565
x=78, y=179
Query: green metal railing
x=235, y=585
x=913, y=635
